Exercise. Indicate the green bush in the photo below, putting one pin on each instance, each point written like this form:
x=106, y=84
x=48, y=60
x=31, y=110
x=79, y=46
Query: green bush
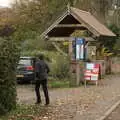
x=8, y=61
x=60, y=67
x=59, y=64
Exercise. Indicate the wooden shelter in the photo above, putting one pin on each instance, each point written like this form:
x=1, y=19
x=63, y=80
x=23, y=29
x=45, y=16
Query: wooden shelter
x=76, y=19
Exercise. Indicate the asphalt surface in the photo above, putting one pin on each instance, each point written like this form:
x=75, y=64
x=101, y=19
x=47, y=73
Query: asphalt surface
x=80, y=103
x=115, y=115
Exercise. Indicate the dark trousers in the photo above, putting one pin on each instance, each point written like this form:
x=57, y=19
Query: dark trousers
x=42, y=83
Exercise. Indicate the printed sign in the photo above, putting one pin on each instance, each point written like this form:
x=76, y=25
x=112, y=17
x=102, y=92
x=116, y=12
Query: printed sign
x=80, y=49
x=89, y=66
x=92, y=71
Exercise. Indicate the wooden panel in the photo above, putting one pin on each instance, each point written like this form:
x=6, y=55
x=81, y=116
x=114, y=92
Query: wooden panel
x=70, y=25
x=68, y=39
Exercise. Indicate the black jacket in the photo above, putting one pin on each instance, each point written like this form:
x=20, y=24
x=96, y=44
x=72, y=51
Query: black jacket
x=41, y=70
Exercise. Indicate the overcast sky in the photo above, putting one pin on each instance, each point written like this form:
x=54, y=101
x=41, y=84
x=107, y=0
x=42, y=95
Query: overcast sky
x=5, y=3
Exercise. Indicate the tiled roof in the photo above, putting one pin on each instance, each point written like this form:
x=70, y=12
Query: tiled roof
x=92, y=22
x=87, y=19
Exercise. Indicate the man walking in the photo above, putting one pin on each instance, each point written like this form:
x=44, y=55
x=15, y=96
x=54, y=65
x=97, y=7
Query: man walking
x=41, y=71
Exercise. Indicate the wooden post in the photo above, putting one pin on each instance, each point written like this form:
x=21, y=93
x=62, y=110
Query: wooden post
x=77, y=74
x=79, y=67
x=82, y=67
x=85, y=83
x=72, y=82
x=70, y=49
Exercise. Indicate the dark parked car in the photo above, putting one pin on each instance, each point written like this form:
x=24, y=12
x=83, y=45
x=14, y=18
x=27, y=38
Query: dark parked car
x=25, y=70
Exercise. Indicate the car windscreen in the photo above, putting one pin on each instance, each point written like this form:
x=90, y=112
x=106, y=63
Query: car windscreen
x=27, y=62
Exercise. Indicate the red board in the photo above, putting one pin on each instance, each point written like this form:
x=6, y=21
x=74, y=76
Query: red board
x=92, y=71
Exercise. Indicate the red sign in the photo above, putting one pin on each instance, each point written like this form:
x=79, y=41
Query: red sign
x=92, y=71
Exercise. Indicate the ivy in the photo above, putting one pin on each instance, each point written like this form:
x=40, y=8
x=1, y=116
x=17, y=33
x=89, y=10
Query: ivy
x=8, y=61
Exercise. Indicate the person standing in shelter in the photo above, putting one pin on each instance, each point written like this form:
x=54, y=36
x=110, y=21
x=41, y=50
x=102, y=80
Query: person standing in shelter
x=41, y=73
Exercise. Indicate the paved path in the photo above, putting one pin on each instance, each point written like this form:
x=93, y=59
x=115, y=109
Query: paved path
x=77, y=103
x=115, y=115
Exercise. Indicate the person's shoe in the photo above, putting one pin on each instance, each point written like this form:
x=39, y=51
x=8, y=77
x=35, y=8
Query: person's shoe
x=47, y=104
x=38, y=102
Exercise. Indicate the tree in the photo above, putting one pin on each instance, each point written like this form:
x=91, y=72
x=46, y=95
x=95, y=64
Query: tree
x=116, y=30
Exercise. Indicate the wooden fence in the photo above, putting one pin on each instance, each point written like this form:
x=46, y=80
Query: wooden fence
x=115, y=65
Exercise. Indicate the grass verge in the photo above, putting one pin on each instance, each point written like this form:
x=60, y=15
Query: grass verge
x=26, y=112
x=58, y=84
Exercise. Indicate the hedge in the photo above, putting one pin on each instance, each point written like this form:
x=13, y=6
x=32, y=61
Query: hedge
x=9, y=54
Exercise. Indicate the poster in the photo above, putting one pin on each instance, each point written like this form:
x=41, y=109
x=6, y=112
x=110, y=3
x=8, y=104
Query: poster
x=92, y=71
x=89, y=66
x=80, y=49
x=91, y=52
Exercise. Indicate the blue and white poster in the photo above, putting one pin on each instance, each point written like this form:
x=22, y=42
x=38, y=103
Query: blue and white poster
x=80, y=49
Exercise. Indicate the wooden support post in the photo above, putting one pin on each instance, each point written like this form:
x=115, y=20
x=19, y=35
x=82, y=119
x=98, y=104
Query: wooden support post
x=73, y=79
x=82, y=67
x=70, y=49
x=77, y=74
x=79, y=67
x=85, y=83
x=97, y=83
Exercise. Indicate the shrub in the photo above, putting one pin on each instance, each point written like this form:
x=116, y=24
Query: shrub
x=60, y=67
x=59, y=64
x=8, y=61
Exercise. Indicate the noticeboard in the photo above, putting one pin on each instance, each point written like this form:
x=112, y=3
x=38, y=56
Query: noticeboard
x=80, y=49
x=92, y=71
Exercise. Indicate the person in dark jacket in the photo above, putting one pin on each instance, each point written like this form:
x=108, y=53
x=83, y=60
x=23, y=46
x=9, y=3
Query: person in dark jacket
x=41, y=71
